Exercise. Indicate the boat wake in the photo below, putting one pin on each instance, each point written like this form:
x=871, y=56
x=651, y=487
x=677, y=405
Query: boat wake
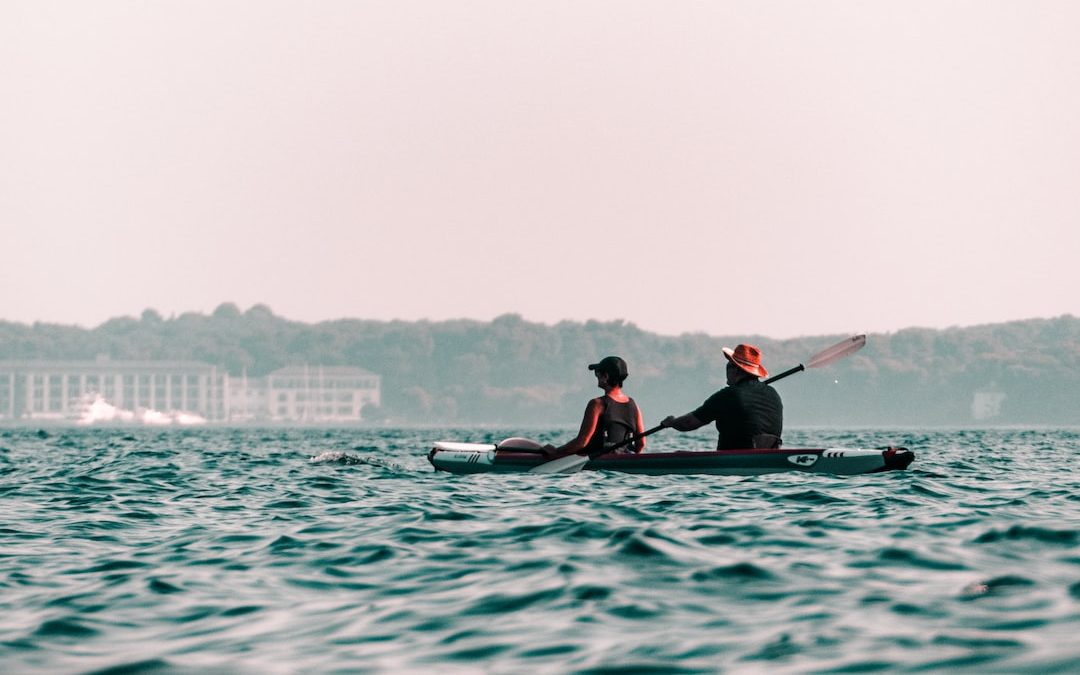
x=94, y=409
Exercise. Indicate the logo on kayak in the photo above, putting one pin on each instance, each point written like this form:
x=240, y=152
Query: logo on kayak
x=802, y=460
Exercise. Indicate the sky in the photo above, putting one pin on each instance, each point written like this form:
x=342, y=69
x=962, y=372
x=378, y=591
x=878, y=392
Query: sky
x=733, y=168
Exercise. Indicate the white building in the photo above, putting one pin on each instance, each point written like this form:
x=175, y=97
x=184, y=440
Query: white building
x=321, y=393
x=986, y=404
x=61, y=391
x=247, y=401
x=55, y=390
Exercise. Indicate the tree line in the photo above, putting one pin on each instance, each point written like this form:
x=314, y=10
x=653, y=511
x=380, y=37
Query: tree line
x=513, y=371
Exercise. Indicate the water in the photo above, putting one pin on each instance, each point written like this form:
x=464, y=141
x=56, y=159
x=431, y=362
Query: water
x=283, y=551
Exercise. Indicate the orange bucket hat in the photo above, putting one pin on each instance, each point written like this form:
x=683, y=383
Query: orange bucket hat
x=747, y=357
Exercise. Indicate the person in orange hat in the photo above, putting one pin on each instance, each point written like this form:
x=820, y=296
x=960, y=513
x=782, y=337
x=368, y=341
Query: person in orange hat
x=748, y=413
x=609, y=419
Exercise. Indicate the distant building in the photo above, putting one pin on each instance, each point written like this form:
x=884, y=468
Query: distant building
x=58, y=390
x=986, y=404
x=313, y=394
x=78, y=391
x=248, y=401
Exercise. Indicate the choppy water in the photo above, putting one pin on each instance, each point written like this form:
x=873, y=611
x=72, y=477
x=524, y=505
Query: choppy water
x=252, y=551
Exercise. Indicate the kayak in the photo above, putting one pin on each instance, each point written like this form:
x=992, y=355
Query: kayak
x=490, y=458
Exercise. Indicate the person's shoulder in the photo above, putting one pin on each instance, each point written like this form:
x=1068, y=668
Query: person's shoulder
x=719, y=395
x=768, y=390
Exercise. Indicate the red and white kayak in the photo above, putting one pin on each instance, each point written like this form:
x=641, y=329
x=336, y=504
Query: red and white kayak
x=489, y=458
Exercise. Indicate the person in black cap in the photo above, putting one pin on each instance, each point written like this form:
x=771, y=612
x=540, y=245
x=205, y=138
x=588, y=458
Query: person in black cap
x=611, y=418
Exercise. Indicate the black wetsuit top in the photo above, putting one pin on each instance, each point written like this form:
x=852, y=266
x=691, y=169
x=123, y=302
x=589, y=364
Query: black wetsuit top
x=743, y=411
x=618, y=421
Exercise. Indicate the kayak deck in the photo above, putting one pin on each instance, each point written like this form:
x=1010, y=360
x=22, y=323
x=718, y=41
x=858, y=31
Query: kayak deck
x=487, y=458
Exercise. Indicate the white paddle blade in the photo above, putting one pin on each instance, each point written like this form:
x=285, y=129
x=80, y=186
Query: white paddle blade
x=568, y=464
x=837, y=351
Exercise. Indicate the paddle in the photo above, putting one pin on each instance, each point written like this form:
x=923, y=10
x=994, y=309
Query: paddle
x=573, y=463
x=825, y=356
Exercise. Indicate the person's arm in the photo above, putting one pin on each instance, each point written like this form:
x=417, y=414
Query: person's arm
x=687, y=422
x=640, y=440
x=585, y=433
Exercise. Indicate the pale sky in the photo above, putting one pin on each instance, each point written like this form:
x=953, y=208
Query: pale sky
x=772, y=168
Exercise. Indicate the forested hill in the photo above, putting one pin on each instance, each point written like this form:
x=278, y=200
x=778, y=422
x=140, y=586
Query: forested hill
x=516, y=372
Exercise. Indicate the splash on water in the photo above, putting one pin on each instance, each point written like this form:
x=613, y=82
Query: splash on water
x=336, y=457
x=348, y=459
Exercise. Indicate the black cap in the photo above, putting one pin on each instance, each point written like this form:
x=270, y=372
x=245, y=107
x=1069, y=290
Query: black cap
x=612, y=365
